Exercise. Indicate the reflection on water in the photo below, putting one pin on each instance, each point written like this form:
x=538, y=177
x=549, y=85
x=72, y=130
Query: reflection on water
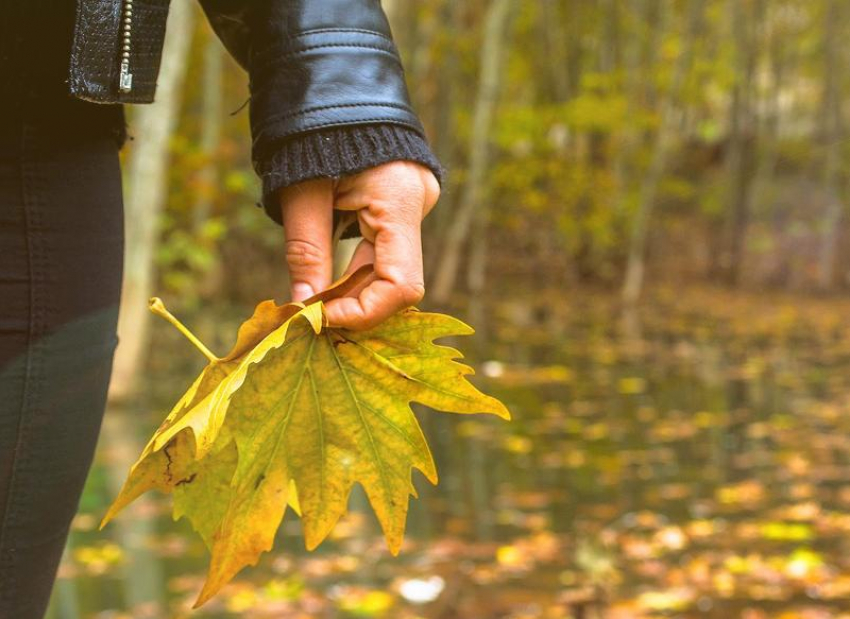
x=691, y=461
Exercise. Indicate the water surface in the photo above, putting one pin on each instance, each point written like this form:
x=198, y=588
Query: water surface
x=688, y=461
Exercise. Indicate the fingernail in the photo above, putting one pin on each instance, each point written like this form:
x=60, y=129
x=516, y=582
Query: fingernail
x=301, y=291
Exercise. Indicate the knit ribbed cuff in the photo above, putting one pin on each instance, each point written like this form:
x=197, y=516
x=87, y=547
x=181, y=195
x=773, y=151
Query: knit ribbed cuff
x=331, y=153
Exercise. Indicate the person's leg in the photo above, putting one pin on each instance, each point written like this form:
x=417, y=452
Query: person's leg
x=61, y=238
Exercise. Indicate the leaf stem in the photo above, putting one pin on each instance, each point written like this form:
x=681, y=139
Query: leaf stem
x=156, y=305
x=347, y=219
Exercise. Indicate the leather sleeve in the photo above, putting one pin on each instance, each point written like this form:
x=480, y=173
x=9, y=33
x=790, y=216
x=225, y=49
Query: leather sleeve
x=317, y=66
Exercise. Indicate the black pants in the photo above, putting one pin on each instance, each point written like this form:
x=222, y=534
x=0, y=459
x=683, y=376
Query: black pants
x=61, y=246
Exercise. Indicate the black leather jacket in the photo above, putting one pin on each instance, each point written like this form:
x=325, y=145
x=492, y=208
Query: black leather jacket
x=313, y=65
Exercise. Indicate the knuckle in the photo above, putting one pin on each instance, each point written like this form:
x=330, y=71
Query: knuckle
x=399, y=203
x=402, y=192
x=303, y=254
x=432, y=189
x=383, y=207
x=412, y=293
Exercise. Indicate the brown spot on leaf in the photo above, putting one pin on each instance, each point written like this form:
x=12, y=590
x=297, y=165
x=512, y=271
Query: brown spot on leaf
x=187, y=480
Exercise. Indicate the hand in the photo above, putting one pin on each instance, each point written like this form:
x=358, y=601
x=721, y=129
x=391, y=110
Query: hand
x=390, y=200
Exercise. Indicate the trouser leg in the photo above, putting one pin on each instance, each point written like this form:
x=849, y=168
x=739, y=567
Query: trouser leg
x=61, y=237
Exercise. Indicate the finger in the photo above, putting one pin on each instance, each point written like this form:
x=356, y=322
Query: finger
x=398, y=283
x=358, y=201
x=432, y=192
x=307, y=210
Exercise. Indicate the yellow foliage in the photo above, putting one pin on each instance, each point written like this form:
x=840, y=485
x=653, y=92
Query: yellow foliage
x=297, y=413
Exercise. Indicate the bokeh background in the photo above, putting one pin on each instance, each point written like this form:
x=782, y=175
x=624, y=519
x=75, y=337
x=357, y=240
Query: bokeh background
x=645, y=219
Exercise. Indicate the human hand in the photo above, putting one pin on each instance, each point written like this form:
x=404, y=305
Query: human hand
x=390, y=201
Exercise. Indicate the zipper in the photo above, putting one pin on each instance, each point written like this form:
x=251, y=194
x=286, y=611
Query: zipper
x=125, y=77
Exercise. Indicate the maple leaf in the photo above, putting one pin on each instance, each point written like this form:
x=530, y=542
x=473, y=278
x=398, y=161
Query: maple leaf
x=328, y=408
x=298, y=415
x=172, y=456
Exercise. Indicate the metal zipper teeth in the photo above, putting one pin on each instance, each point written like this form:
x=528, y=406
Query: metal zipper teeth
x=125, y=78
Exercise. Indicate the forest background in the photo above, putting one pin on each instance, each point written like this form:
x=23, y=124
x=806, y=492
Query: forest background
x=646, y=218
x=608, y=144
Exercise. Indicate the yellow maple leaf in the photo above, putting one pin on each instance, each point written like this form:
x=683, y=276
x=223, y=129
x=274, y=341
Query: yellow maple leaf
x=173, y=454
x=309, y=409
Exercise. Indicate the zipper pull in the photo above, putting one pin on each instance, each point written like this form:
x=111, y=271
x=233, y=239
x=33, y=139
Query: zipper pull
x=125, y=82
x=125, y=78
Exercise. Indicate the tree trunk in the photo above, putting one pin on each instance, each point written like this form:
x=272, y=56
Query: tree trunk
x=831, y=136
x=741, y=142
x=476, y=279
x=148, y=187
x=402, y=17
x=764, y=189
x=444, y=140
x=492, y=57
x=143, y=578
x=211, y=122
x=636, y=262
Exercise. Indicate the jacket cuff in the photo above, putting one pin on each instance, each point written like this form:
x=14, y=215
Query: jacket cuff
x=331, y=153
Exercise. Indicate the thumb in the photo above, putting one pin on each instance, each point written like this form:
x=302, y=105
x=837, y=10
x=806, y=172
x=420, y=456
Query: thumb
x=307, y=211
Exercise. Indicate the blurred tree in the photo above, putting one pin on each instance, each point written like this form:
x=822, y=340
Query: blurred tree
x=668, y=110
x=618, y=143
x=474, y=192
x=831, y=136
x=147, y=195
x=211, y=126
x=741, y=141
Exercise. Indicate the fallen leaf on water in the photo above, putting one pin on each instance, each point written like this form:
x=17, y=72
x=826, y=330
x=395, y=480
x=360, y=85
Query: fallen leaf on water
x=297, y=413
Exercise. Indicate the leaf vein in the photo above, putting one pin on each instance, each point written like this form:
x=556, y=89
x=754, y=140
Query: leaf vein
x=319, y=423
x=381, y=466
x=391, y=423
